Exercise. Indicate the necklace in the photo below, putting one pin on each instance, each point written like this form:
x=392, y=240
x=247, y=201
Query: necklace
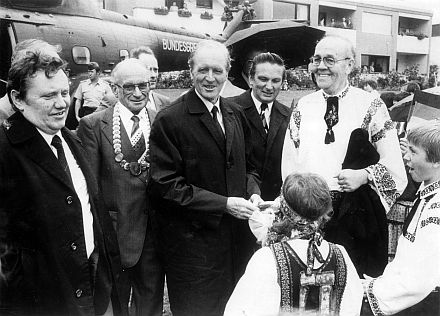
x=135, y=167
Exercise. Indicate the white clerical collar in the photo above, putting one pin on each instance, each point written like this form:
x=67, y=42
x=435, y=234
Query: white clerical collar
x=258, y=103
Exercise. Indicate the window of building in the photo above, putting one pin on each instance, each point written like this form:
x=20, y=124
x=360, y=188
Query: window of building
x=375, y=63
x=81, y=55
x=376, y=23
x=178, y=3
x=204, y=4
x=290, y=10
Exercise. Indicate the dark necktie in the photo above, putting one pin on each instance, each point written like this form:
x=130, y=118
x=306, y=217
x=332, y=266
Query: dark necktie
x=57, y=143
x=413, y=211
x=137, y=137
x=331, y=118
x=216, y=123
x=263, y=117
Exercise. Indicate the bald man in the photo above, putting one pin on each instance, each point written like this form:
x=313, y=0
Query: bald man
x=117, y=141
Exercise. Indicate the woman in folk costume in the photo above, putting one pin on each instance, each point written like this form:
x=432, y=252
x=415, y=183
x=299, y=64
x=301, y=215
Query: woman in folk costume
x=298, y=270
x=409, y=280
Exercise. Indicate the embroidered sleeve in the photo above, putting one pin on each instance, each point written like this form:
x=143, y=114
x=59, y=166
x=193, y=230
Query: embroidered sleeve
x=295, y=121
x=372, y=300
x=389, y=174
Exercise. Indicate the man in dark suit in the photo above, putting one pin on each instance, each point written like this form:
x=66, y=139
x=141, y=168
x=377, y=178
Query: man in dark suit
x=200, y=180
x=146, y=56
x=117, y=142
x=59, y=253
x=268, y=120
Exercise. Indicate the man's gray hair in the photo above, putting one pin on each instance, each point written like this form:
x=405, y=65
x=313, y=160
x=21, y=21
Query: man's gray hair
x=210, y=44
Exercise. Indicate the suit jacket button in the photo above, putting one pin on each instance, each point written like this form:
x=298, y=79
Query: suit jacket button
x=73, y=246
x=69, y=199
x=78, y=293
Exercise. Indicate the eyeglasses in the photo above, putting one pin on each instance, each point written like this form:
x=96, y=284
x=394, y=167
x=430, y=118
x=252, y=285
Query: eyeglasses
x=130, y=88
x=328, y=61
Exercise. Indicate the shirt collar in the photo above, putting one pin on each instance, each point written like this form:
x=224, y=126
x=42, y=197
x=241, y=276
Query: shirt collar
x=258, y=103
x=340, y=95
x=48, y=138
x=430, y=189
x=126, y=114
x=209, y=105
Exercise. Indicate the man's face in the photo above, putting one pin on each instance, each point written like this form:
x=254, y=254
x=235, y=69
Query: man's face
x=266, y=83
x=209, y=73
x=151, y=63
x=420, y=168
x=46, y=102
x=332, y=79
x=131, y=86
x=93, y=75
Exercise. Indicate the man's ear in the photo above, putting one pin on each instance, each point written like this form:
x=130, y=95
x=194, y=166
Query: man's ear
x=115, y=90
x=17, y=101
x=350, y=66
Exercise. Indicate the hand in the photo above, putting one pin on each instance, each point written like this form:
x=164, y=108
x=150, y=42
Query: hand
x=255, y=199
x=350, y=180
x=404, y=146
x=240, y=208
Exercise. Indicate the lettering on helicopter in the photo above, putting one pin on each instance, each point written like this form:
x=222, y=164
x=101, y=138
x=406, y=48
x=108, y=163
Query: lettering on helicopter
x=178, y=45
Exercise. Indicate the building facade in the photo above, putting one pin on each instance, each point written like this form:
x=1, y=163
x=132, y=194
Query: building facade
x=386, y=36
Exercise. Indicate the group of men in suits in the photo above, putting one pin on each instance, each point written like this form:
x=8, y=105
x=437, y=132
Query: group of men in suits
x=184, y=215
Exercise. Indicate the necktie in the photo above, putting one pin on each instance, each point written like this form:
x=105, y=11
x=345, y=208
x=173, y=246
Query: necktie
x=57, y=143
x=137, y=138
x=263, y=117
x=413, y=211
x=216, y=123
x=331, y=118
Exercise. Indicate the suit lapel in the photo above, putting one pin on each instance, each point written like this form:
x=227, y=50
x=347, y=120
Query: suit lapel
x=196, y=106
x=107, y=124
x=22, y=132
x=228, y=121
x=278, y=114
x=253, y=116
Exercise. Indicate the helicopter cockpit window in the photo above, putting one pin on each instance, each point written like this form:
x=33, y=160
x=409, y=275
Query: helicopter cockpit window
x=81, y=55
x=123, y=54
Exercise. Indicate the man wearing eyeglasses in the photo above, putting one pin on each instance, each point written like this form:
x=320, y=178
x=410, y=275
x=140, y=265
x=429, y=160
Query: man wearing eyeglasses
x=365, y=175
x=146, y=56
x=117, y=142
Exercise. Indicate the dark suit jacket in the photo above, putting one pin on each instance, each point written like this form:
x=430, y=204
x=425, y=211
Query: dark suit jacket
x=125, y=196
x=266, y=148
x=160, y=100
x=192, y=174
x=41, y=229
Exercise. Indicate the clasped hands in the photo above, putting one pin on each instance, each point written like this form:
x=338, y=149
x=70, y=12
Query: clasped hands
x=349, y=179
x=242, y=208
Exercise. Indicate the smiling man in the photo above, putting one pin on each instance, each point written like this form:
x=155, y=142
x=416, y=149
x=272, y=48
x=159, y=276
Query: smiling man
x=58, y=249
x=317, y=140
x=268, y=120
x=200, y=180
x=117, y=140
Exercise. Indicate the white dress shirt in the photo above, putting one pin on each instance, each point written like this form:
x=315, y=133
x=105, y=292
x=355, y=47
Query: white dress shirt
x=80, y=185
x=210, y=105
x=266, y=112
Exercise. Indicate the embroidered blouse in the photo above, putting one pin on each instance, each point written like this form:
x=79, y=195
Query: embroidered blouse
x=305, y=151
x=258, y=292
x=415, y=271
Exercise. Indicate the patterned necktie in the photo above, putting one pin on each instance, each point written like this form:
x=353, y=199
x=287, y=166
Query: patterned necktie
x=216, y=122
x=57, y=143
x=263, y=117
x=137, y=137
x=331, y=118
